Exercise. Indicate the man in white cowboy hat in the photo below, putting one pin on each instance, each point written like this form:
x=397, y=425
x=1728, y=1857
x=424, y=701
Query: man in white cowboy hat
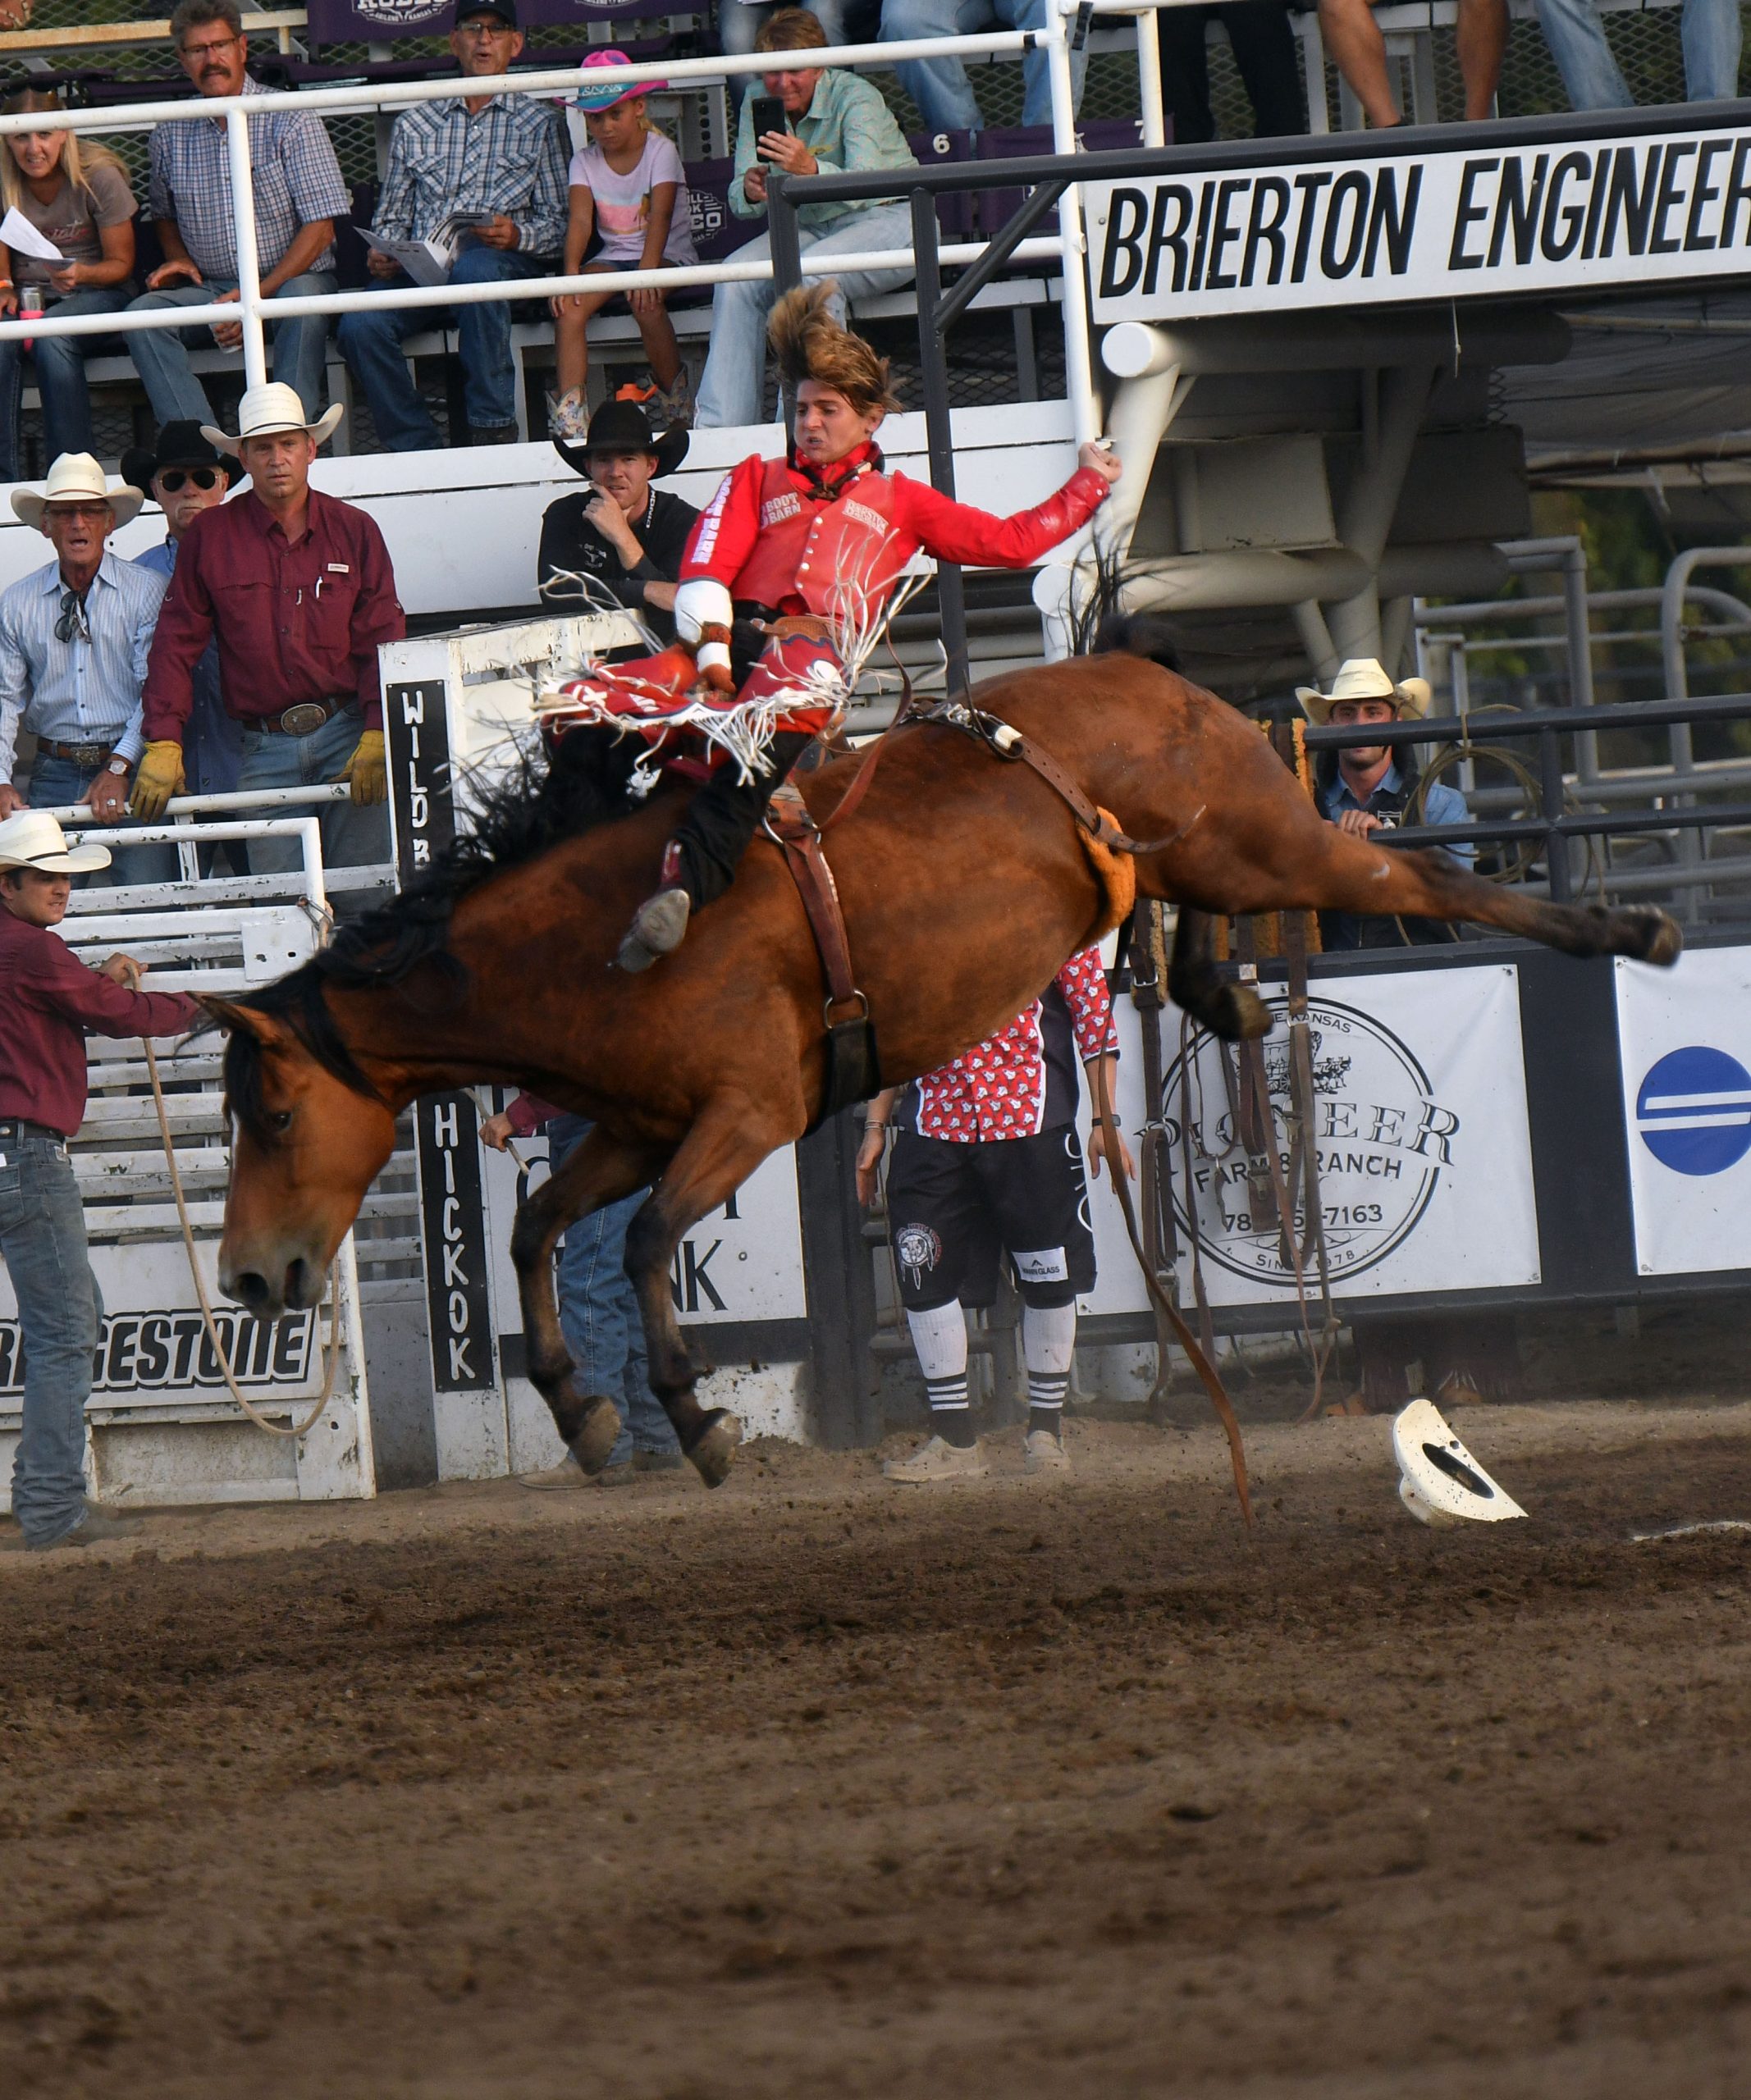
x=48, y=1001
x=297, y=590
x=73, y=641
x=1366, y=788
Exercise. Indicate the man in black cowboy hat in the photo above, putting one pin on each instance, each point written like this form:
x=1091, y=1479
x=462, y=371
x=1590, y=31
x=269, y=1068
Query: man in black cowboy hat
x=625, y=537
x=185, y=473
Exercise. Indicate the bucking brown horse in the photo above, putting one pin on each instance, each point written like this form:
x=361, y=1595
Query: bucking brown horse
x=965, y=883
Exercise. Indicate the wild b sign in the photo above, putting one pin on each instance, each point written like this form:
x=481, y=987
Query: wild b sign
x=1574, y=215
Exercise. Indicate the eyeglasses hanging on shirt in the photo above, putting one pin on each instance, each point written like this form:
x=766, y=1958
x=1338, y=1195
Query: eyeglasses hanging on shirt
x=73, y=623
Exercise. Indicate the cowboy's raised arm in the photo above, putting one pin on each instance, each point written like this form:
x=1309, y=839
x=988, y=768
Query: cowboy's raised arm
x=957, y=531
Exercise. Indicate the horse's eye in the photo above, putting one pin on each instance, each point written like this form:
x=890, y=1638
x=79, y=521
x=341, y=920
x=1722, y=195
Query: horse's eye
x=280, y=1121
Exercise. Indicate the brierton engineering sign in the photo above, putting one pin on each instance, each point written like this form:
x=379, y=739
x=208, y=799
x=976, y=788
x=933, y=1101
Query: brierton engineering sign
x=1576, y=216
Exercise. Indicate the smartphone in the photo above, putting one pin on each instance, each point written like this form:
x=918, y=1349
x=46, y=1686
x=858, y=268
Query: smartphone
x=766, y=113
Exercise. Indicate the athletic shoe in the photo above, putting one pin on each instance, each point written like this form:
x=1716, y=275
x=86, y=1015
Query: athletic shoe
x=1046, y=1452
x=568, y=415
x=674, y=404
x=658, y=928
x=658, y=1461
x=937, y=1461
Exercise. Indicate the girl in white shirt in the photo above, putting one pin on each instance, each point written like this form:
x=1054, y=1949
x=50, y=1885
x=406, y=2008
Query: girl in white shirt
x=629, y=186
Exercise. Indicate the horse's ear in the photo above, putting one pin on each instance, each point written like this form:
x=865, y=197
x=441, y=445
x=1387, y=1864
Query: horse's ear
x=240, y=1020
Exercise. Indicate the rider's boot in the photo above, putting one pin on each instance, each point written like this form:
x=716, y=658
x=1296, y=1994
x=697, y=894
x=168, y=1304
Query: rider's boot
x=660, y=924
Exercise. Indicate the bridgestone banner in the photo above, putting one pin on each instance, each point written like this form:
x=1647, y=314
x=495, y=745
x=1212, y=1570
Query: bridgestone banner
x=1579, y=217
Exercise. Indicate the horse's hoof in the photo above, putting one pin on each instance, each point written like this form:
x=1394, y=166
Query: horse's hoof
x=714, y=1447
x=1660, y=940
x=1249, y=1016
x=597, y=1435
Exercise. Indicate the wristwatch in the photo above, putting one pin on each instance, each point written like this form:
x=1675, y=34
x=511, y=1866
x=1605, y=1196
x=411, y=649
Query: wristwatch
x=120, y=767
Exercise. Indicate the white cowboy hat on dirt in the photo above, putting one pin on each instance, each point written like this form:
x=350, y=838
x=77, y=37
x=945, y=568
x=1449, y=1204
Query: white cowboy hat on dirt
x=265, y=410
x=1364, y=677
x=76, y=478
x=1440, y=1483
x=32, y=838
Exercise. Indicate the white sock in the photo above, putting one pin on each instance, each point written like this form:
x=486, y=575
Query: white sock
x=940, y=1336
x=1048, y=1341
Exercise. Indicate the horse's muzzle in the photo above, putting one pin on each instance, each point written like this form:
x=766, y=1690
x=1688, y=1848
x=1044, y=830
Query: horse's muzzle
x=297, y=1286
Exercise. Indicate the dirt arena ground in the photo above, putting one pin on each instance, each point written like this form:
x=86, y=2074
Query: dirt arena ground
x=812, y=1786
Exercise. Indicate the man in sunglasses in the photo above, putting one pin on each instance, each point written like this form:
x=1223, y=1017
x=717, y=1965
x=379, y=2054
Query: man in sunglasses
x=74, y=637
x=185, y=474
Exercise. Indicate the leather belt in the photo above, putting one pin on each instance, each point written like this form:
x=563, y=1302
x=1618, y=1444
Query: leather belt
x=303, y=720
x=13, y=1128
x=87, y=757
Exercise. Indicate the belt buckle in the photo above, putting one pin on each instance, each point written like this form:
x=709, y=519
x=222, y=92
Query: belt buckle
x=304, y=719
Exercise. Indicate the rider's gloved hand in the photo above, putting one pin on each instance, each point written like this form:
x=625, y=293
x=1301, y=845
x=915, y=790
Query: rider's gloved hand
x=367, y=769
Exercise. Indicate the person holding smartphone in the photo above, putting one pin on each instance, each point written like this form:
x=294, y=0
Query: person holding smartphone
x=809, y=119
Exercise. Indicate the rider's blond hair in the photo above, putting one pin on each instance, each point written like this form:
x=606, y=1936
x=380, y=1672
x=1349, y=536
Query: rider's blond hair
x=807, y=343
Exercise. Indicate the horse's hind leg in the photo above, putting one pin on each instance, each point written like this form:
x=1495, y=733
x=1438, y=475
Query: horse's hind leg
x=1424, y=882
x=729, y=1141
x=1233, y=1012
x=600, y=1170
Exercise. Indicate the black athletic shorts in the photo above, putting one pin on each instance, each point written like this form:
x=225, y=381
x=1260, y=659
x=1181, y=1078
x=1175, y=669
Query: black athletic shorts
x=955, y=1209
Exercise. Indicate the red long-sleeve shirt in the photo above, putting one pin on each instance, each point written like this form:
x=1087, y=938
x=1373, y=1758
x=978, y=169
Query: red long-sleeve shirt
x=48, y=1000
x=723, y=545
x=293, y=624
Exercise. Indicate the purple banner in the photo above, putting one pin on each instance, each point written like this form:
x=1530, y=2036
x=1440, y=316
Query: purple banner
x=381, y=22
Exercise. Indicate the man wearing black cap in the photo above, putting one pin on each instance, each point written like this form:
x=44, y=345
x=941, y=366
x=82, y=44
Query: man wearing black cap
x=185, y=474
x=625, y=537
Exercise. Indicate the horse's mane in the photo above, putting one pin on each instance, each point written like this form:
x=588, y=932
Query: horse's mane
x=534, y=805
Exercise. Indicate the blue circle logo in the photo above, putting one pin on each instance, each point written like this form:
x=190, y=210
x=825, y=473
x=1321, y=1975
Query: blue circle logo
x=1693, y=1111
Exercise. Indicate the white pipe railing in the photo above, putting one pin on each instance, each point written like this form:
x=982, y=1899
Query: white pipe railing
x=254, y=314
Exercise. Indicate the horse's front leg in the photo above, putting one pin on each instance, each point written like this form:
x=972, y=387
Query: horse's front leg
x=602, y=1170
x=727, y=1142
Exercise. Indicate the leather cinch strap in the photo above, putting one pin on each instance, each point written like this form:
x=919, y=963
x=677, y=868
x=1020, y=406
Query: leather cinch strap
x=789, y=822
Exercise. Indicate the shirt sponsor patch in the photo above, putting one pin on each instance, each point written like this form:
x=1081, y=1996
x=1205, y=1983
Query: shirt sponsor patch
x=1044, y=1265
x=864, y=515
x=789, y=504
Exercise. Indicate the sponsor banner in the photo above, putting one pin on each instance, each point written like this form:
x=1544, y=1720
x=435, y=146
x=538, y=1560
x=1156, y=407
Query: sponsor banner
x=744, y=1262
x=1425, y=1163
x=380, y=22
x=1685, y=1049
x=1575, y=216
x=153, y=1347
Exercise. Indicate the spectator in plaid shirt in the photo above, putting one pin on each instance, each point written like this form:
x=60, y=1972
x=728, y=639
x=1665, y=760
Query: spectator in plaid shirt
x=298, y=194
x=501, y=157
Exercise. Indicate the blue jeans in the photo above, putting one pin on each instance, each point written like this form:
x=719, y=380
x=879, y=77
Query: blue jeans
x=1576, y=37
x=729, y=388
x=940, y=87
x=739, y=22
x=371, y=343
x=60, y=380
x=56, y=782
x=354, y=835
x=60, y=1313
x=599, y=1310
x=162, y=360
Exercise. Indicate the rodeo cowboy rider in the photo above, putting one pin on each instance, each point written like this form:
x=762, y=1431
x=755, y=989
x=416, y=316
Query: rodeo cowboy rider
x=785, y=548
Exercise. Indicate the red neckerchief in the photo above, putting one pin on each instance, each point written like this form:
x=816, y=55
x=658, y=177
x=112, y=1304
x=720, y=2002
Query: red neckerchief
x=828, y=487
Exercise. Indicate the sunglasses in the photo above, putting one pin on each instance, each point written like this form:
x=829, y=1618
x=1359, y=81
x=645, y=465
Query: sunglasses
x=171, y=479
x=73, y=621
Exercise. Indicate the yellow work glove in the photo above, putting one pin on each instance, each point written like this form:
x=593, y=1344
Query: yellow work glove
x=160, y=776
x=367, y=769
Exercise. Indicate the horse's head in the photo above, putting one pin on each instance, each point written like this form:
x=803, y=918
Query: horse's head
x=306, y=1145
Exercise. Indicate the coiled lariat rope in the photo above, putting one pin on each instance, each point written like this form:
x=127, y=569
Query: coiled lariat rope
x=236, y=1391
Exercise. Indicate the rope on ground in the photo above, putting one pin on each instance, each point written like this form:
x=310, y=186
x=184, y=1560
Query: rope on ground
x=261, y=1421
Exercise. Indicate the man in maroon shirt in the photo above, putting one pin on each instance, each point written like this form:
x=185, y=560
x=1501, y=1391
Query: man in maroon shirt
x=48, y=1000
x=297, y=589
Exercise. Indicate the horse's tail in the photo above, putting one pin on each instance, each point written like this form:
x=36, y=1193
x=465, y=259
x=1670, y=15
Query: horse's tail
x=1136, y=634
x=1100, y=625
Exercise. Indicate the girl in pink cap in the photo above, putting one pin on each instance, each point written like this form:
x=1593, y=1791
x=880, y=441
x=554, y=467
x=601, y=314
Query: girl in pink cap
x=628, y=186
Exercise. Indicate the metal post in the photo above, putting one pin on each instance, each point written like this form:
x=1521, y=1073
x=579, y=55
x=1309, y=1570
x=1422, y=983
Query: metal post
x=1079, y=372
x=249, y=263
x=785, y=244
x=951, y=596
x=1149, y=80
x=1552, y=793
